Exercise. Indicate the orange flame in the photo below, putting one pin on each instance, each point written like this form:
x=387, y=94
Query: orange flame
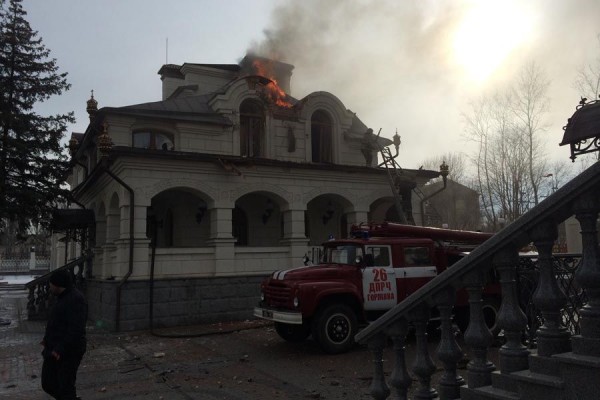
x=273, y=91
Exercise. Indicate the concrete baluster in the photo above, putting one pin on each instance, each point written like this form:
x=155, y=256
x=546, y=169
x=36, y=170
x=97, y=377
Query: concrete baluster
x=448, y=351
x=588, y=274
x=513, y=356
x=423, y=366
x=400, y=380
x=478, y=337
x=552, y=337
x=379, y=389
x=31, y=308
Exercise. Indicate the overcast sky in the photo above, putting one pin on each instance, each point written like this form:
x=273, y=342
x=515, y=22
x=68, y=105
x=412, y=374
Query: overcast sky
x=406, y=65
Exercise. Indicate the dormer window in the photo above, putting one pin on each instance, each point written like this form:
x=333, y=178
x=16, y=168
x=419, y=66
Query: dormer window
x=252, y=126
x=152, y=140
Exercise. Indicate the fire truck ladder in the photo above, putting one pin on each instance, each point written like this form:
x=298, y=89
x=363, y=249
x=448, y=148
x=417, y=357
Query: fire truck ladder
x=394, y=171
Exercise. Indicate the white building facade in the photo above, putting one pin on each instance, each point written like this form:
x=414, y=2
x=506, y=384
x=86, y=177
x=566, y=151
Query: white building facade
x=197, y=197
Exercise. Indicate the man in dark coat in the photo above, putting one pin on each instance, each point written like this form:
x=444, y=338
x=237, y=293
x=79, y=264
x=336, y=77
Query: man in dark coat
x=64, y=342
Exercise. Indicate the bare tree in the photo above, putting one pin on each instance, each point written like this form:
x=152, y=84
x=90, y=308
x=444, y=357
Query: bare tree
x=529, y=106
x=587, y=81
x=509, y=162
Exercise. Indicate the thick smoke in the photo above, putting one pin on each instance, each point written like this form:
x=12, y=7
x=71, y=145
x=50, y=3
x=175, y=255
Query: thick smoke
x=391, y=62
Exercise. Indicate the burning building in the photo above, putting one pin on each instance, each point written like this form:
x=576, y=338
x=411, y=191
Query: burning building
x=226, y=179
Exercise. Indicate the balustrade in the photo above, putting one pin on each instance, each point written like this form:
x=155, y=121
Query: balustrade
x=559, y=312
x=39, y=299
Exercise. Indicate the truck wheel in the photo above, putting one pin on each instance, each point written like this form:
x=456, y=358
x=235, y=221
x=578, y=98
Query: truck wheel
x=334, y=328
x=292, y=333
x=490, y=308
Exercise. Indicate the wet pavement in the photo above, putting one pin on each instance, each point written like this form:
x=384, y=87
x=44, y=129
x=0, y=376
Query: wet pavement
x=230, y=361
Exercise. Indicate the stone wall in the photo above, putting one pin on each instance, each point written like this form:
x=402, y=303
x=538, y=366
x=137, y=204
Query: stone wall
x=176, y=301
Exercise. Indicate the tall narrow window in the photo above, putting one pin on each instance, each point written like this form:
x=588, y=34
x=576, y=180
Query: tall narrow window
x=321, y=137
x=252, y=125
x=239, y=226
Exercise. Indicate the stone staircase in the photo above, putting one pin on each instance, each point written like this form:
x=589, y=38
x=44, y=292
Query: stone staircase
x=564, y=365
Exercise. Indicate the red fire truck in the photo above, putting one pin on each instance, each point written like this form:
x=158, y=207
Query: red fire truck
x=361, y=277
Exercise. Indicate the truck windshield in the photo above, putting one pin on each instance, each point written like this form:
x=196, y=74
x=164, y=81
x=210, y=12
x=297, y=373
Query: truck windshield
x=342, y=254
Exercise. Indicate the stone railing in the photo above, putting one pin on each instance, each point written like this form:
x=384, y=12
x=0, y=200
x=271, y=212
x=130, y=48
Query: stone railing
x=580, y=197
x=39, y=299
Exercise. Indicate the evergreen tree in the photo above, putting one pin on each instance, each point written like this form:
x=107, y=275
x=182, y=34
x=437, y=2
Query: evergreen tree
x=32, y=162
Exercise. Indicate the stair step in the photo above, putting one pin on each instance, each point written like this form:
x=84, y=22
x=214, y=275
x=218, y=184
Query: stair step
x=538, y=379
x=503, y=381
x=586, y=346
x=544, y=365
x=487, y=393
x=578, y=359
x=580, y=374
x=533, y=385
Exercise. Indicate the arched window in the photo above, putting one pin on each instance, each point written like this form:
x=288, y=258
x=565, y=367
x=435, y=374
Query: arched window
x=152, y=140
x=252, y=126
x=239, y=227
x=321, y=131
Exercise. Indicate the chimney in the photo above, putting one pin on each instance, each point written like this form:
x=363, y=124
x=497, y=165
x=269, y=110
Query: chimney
x=277, y=70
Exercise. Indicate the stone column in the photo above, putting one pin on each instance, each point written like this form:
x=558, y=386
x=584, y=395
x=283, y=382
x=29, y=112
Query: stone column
x=588, y=275
x=32, y=258
x=119, y=263
x=294, y=236
x=222, y=240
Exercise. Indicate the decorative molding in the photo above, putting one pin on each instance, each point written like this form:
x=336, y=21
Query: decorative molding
x=196, y=185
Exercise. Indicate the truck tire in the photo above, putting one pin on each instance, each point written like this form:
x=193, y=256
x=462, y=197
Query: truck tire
x=334, y=328
x=292, y=333
x=490, y=308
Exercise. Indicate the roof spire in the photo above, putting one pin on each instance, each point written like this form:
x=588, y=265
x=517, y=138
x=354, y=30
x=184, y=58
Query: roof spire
x=92, y=107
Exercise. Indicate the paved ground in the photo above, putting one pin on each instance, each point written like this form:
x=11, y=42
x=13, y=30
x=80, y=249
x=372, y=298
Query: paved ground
x=243, y=360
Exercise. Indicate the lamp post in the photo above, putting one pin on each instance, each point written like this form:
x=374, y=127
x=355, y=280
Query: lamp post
x=501, y=222
x=581, y=132
x=553, y=182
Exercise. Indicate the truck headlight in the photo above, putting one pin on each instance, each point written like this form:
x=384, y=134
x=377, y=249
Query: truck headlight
x=296, y=302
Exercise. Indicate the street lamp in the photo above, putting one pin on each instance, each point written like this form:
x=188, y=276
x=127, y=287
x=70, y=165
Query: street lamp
x=581, y=131
x=501, y=222
x=553, y=182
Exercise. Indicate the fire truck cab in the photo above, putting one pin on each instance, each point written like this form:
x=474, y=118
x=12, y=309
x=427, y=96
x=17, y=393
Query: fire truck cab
x=358, y=279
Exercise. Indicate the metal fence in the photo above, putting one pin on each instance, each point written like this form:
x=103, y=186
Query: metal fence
x=565, y=266
x=20, y=265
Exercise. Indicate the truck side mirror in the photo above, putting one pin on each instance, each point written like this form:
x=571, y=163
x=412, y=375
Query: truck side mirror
x=305, y=259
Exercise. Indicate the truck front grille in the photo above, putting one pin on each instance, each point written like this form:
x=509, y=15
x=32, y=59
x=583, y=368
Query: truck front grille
x=277, y=296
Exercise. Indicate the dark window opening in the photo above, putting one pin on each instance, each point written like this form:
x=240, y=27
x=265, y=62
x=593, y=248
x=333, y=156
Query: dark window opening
x=252, y=123
x=152, y=140
x=321, y=137
x=239, y=227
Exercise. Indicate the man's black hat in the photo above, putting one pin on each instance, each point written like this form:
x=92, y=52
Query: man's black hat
x=61, y=278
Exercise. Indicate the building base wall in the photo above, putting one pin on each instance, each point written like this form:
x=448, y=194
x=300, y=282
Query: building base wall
x=176, y=302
